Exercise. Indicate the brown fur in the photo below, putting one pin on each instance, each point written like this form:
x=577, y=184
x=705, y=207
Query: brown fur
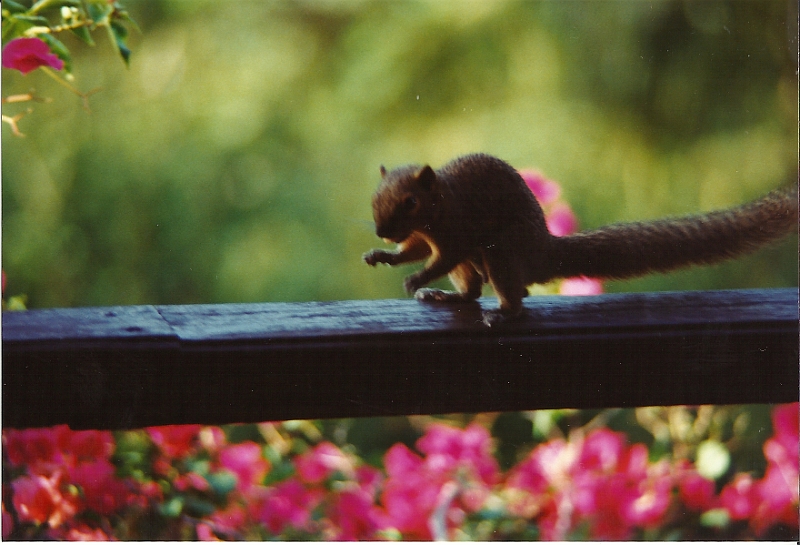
x=476, y=220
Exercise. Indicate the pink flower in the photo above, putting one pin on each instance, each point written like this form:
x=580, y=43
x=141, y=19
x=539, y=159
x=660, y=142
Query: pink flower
x=455, y=477
x=190, y=481
x=245, y=460
x=695, y=491
x=601, y=451
x=8, y=523
x=740, y=497
x=82, y=532
x=597, y=479
x=288, y=504
x=86, y=444
x=778, y=490
x=778, y=494
x=546, y=191
x=228, y=522
x=354, y=516
x=26, y=54
x=581, y=285
x=450, y=448
x=321, y=462
x=205, y=533
x=174, y=441
x=39, y=499
x=101, y=491
x=369, y=479
x=410, y=493
x=35, y=448
x=561, y=220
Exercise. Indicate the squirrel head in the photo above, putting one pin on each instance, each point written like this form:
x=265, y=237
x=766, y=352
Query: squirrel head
x=404, y=202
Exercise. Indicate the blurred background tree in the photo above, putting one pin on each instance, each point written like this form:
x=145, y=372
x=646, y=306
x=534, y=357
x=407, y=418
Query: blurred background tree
x=235, y=158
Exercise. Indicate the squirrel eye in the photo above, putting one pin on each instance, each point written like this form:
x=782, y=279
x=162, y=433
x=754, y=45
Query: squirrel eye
x=410, y=203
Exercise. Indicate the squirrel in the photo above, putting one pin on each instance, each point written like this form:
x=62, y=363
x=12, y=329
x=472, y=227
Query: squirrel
x=476, y=220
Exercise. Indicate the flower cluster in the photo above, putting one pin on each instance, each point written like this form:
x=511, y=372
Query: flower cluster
x=561, y=221
x=30, y=42
x=193, y=482
x=60, y=474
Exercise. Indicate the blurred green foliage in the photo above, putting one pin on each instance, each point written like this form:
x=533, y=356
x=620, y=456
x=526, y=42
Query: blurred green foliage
x=235, y=158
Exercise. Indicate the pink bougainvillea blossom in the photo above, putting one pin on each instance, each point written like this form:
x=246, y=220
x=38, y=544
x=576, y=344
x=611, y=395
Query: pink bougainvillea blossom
x=321, y=462
x=40, y=499
x=740, y=497
x=581, y=285
x=245, y=460
x=353, y=516
x=695, y=491
x=455, y=477
x=288, y=504
x=86, y=445
x=597, y=479
x=34, y=448
x=546, y=191
x=27, y=54
x=190, y=481
x=101, y=490
x=175, y=441
x=561, y=220
x=8, y=523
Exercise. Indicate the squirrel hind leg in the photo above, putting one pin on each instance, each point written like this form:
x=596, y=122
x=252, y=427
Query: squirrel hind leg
x=467, y=281
x=509, y=286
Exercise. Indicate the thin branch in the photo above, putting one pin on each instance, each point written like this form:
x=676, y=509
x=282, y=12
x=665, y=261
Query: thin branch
x=84, y=96
x=438, y=519
x=13, y=120
x=35, y=31
x=26, y=97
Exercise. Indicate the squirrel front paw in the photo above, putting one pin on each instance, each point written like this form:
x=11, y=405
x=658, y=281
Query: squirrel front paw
x=373, y=257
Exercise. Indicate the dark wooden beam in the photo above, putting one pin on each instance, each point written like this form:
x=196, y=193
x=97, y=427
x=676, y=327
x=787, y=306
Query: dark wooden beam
x=123, y=367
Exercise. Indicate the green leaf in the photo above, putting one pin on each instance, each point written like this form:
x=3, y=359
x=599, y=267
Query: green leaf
x=35, y=20
x=83, y=33
x=172, y=508
x=199, y=507
x=119, y=35
x=13, y=27
x=99, y=11
x=122, y=15
x=222, y=482
x=14, y=7
x=60, y=50
x=715, y=518
x=42, y=5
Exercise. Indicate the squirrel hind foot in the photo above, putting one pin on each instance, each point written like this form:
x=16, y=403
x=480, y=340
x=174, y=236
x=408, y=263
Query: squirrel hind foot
x=441, y=296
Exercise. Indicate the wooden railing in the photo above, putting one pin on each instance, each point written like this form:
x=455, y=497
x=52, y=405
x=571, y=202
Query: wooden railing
x=124, y=367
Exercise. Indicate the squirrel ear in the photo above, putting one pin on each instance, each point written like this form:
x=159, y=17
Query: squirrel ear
x=383, y=171
x=426, y=177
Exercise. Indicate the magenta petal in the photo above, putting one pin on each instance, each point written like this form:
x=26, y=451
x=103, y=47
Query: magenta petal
x=26, y=54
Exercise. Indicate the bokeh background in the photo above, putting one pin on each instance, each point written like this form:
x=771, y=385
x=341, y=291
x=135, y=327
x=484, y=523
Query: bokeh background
x=234, y=160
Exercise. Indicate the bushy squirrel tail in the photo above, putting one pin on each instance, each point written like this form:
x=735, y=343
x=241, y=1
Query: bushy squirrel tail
x=632, y=249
